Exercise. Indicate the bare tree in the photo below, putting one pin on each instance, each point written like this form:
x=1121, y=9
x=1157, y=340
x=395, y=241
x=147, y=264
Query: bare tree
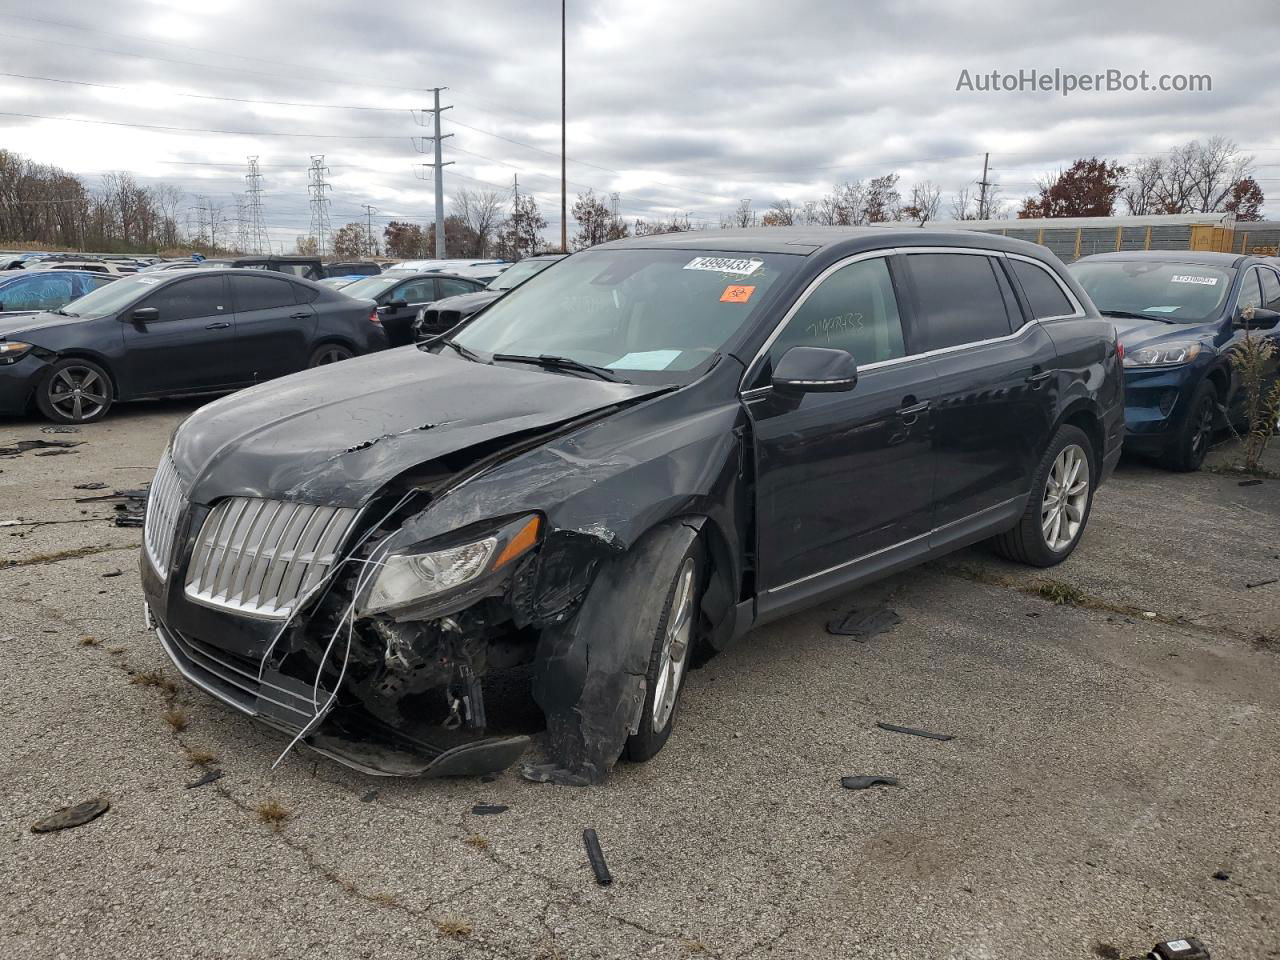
x=481, y=210
x=742, y=216
x=781, y=213
x=926, y=199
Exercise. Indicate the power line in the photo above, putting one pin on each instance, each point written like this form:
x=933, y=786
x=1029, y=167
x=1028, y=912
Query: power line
x=230, y=133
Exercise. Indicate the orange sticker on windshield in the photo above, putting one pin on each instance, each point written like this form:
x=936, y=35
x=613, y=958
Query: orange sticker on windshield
x=736, y=294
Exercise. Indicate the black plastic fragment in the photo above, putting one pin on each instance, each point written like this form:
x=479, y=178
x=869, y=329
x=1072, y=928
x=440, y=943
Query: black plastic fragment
x=1184, y=948
x=1249, y=483
x=894, y=728
x=22, y=446
x=596, y=856
x=74, y=816
x=369, y=797
x=861, y=624
x=1221, y=875
x=91, y=485
x=862, y=783
x=113, y=573
x=1262, y=583
x=208, y=778
x=489, y=809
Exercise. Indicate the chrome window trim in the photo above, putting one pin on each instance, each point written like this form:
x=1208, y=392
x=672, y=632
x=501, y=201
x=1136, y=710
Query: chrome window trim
x=753, y=367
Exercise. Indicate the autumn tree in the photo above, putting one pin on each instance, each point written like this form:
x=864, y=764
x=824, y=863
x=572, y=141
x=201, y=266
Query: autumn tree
x=925, y=202
x=520, y=235
x=403, y=241
x=596, y=222
x=678, y=223
x=350, y=241
x=882, y=200
x=307, y=246
x=458, y=237
x=1246, y=200
x=1195, y=177
x=1088, y=188
x=781, y=213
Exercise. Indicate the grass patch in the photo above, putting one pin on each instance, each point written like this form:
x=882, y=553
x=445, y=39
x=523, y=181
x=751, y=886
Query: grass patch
x=201, y=757
x=157, y=679
x=454, y=927
x=88, y=641
x=273, y=813
x=477, y=842
x=116, y=650
x=1061, y=594
x=385, y=899
x=177, y=718
x=695, y=948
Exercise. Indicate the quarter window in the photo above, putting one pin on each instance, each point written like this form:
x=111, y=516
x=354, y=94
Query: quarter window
x=197, y=297
x=854, y=309
x=959, y=298
x=1270, y=289
x=261, y=293
x=37, y=293
x=1042, y=291
x=450, y=288
x=416, y=291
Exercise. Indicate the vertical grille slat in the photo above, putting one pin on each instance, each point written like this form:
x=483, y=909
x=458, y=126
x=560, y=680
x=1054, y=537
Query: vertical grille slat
x=165, y=500
x=262, y=557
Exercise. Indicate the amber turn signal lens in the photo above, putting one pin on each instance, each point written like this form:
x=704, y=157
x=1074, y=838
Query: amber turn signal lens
x=522, y=541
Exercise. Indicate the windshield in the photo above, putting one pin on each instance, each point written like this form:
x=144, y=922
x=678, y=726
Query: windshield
x=651, y=311
x=517, y=274
x=1181, y=292
x=112, y=297
x=368, y=288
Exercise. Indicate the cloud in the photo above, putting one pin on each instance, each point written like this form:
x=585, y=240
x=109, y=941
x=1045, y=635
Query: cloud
x=674, y=106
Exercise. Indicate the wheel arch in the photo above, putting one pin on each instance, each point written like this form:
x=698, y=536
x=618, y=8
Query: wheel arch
x=1082, y=415
x=81, y=353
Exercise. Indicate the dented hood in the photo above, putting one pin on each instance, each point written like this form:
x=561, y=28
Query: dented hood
x=336, y=434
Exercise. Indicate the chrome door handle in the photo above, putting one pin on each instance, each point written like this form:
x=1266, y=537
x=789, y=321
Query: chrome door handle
x=299, y=316
x=914, y=409
x=220, y=325
x=1040, y=377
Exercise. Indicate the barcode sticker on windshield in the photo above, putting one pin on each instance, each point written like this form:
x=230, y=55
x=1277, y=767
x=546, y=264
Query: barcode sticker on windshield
x=1188, y=278
x=741, y=265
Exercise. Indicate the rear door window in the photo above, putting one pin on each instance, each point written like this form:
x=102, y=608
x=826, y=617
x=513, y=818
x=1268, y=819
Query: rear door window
x=958, y=298
x=1250, y=294
x=854, y=309
x=1042, y=291
x=451, y=288
x=261, y=293
x=416, y=291
x=194, y=297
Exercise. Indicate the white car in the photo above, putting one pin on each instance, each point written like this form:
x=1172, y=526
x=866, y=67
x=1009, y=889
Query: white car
x=92, y=266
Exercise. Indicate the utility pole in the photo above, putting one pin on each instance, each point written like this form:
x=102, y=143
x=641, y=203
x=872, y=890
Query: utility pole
x=515, y=190
x=369, y=248
x=564, y=183
x=983, y=184
x=439, y=166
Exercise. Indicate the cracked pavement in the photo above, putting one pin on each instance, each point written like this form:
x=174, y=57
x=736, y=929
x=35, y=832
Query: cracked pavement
x=1105, y=765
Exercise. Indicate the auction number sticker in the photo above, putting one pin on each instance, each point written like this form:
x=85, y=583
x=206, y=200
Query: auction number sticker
x=740, y=265
x=1188, y=278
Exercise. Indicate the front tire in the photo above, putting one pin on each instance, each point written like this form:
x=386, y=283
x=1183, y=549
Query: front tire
x=75, y=390
x=1058, y=508
x=1188, y=449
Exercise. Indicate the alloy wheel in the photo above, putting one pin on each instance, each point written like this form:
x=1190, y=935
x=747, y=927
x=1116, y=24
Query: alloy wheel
x=675, y=647
x=1066, y=494
x=77, y=392
x=1203, y=430
x=334, y=354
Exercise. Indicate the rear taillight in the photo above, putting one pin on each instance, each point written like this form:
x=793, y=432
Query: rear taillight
x=1120, y=351
x=374, y=318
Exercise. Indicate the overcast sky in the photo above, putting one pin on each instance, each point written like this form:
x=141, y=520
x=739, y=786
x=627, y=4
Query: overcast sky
x=677, y=106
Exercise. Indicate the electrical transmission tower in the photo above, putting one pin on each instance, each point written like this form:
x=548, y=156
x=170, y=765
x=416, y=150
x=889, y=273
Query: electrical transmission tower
x=257, y=241
x=317, y=186
x=439, y=166
x=242, y=225
x=370, y=248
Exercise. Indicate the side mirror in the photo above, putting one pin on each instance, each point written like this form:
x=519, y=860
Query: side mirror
x=397, y=304
x=1260, y=319
x=815, y=370
x=145, y=315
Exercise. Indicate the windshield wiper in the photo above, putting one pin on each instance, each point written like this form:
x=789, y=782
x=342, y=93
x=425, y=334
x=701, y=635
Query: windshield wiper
x=1130, y=315
x=563, y=363
x=62, y=313
x=464, y=351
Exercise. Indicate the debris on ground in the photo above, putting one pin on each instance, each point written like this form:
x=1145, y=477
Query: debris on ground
x=91, y=485
x=894, y=728
x=113, y=573
x=131, y=505
x=1221, y=875
x=369, y=797
x=861, y=624
x=208, y=778
x=1188, y=948
x=22, y=446
x=862, y=783
x=488, y=809
x=1249, y=483
x=74, y=816
x=596, y=856
x=57, y=451
x=1262, y=583
x=60, y=429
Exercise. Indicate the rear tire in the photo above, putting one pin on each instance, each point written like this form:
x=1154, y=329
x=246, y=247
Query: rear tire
x=1188, y=449
x=1059, y=505
x=75, y=390
x=328, y=353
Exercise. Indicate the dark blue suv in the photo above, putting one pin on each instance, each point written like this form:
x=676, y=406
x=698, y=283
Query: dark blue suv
x=1179, y=315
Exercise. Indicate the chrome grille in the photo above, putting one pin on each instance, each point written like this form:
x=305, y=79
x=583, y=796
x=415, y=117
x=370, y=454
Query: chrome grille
x=261, y=557
x=165, y=501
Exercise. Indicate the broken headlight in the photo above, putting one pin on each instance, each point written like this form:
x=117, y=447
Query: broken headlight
x=412, y=577
x=1163, y=355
